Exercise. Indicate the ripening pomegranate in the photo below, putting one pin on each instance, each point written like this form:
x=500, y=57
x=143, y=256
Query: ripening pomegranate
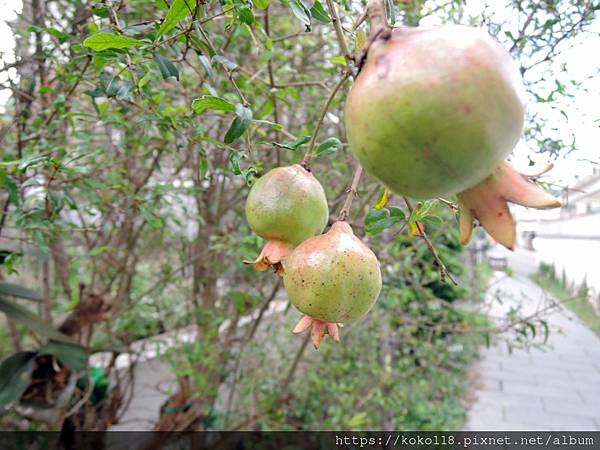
x=285, y=206
x=435, y=111
x=331, y=278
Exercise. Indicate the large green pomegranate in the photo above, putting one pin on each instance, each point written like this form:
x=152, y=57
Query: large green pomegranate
x=332, y=278
x=435, y=110
x=285, y=206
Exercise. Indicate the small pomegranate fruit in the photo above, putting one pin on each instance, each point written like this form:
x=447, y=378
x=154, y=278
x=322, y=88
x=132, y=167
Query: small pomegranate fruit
x=285, y=206
x=434, y=112
x=331, y=278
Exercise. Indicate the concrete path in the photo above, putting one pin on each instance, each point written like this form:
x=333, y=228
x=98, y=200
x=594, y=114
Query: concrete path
x=554, y=388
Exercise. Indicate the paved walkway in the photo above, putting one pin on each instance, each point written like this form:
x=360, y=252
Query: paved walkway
x=556, y=388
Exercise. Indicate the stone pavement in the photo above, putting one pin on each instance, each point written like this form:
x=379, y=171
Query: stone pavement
x=554, y=388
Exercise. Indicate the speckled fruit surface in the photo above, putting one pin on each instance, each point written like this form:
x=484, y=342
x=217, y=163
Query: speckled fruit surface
x=435, y=110
x=287, y=204
x=333, y=277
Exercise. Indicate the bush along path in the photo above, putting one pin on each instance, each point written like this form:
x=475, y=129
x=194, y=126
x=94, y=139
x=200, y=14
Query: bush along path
x=554, y=387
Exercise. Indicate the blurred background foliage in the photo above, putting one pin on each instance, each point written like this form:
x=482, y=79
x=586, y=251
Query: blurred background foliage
x=133, y=132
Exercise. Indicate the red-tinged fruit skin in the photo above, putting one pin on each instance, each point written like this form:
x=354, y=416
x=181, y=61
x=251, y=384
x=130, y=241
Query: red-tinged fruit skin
x=434, y=110
x=285, y=206
x=488, y=203
x=332, y=278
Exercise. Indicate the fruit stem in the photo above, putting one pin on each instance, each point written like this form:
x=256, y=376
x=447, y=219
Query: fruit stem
x=352, y=192
x=377, y=16
x=380, y=29
x=441, y=266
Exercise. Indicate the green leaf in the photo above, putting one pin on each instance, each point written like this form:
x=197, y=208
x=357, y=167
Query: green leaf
x=230, y=65
x=338, y=60
x=234, y=160
x=261, y=4
x=301, y=12
x=30, y=320
x=103, y=41
x=380, y=219
x=166, y=67
x=144, y=80
x=62, y=37
x=73, y=356
x=152, y=219
x=239, y=124
x=384, y=198
x=328, y=146
x=318, y=12
x=207, y=66
x=358, y=420
x=199, y=105
x=246, y=15
x=16, y=290
x=177, y=12
x=15, y=376
x=294, y=145
x=390, y=11
x=11, y=187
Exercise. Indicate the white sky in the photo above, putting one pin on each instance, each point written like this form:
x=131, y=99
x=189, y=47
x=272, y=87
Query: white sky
x=581, y=62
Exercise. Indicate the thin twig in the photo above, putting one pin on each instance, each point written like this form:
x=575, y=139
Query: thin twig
x=293, y=367
x=441, y=266
x=335, y=19
x=309, y=153
x=352, y=192
x=229, y=73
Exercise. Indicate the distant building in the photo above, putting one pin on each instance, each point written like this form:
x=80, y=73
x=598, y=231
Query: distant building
x=568, y=237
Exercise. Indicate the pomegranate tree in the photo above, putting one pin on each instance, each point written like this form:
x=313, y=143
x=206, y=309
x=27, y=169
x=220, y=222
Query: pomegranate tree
x=434, y=112
x=285, y=206
x=332, y=278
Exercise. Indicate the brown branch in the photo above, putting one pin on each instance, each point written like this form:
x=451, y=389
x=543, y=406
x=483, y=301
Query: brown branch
x=335, y=20
x=309, y=153
x=290, y=375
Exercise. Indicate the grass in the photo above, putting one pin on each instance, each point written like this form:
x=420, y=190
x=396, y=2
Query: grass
x=578, y=303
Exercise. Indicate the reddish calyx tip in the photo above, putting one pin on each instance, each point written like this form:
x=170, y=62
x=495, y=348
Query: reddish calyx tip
x=318, y=328
x=271, y=256
x=488, y=203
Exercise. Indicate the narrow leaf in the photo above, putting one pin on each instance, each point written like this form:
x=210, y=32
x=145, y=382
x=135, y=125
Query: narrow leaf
x=16, y=290
x=15, y=376
x=201, y=104
x=380, y=219
x=166, y=67
x=301, y=12
x=11, y=187
x=239, y=124
x=390, y=11
x=71, y=355
x=294, y=145
x=177, y=12
x=338, y=60
x=30, y=320
x=383, y=199
x=261, y=4
x=328, y=146
x=225, y=62
x=318, y=12
x=246, y=15
x=103, y=41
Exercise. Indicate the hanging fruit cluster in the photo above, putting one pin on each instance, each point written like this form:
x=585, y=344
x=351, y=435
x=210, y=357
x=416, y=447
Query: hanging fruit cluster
x=332, y=278
x=434, y=112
